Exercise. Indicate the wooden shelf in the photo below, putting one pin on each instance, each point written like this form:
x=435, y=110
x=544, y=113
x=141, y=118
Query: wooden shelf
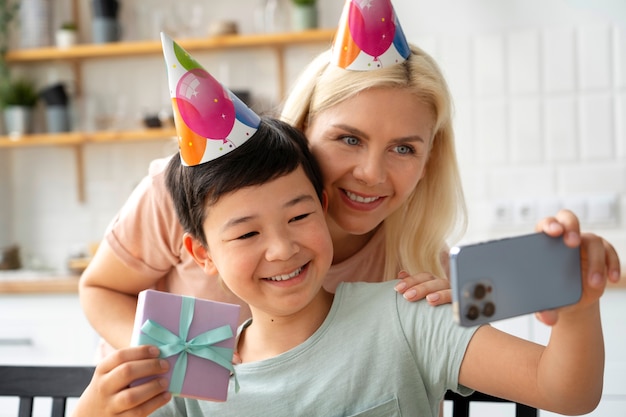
x=124, y=49
x=277, y=42
x=80, y=138
x=53, y=285
x=76, y=139
x=75, y=54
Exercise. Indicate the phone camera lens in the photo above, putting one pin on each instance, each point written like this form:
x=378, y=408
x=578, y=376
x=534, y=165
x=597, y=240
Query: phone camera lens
x=480, y=291
x=472, y=312
x=489, y=309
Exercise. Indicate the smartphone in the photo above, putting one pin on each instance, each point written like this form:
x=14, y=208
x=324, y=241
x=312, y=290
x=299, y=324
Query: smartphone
x=510, y=277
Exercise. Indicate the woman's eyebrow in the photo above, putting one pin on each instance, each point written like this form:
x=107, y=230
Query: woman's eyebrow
x=357, y=132
x=350, y=129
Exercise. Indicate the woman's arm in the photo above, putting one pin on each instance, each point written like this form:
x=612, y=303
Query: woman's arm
x=108, y=295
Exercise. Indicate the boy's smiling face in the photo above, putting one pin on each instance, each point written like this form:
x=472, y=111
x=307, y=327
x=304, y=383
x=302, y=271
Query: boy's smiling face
x=270, y=244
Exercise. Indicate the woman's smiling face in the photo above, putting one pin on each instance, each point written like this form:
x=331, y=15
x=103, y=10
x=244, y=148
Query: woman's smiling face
x=372, y=149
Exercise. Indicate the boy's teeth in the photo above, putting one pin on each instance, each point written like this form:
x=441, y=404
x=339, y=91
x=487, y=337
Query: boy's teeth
x=287, y=276
x=360, y=199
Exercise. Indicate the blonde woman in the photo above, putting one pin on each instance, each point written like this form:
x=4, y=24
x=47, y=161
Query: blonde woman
x=384, y=138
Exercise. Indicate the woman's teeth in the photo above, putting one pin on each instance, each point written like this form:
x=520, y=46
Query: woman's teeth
x=286, y=276
x=360, y=199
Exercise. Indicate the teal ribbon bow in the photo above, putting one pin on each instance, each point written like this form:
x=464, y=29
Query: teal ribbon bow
x=170, y=344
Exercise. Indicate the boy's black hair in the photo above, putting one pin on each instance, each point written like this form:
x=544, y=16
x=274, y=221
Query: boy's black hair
x=276, y=149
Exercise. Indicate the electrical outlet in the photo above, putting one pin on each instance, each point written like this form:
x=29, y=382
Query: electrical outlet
x=502, y=213
x=593, y=210
x=524, y=212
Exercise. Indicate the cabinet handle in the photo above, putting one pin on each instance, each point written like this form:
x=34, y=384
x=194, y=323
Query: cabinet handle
x=26, y=341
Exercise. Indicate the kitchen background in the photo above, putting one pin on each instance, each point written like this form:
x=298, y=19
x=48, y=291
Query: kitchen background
x=539, y=88
x=540, y=96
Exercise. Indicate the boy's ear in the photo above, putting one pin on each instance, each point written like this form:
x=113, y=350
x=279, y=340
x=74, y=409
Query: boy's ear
x=199, y=253
x=325, y=200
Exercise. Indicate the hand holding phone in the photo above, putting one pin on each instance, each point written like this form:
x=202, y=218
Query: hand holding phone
x=511, y=277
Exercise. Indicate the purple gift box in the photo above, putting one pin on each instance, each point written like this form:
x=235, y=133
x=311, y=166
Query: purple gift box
x=196, y=336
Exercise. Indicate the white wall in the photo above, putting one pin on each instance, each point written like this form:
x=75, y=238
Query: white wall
x=539, y=92
x=539, y=88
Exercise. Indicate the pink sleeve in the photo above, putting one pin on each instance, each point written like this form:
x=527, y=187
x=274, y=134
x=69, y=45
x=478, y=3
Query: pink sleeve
x=146, y=234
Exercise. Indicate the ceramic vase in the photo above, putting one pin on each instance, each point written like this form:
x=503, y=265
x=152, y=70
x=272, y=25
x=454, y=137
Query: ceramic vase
x=35, y=23
x=18, y=120
x=65, y=38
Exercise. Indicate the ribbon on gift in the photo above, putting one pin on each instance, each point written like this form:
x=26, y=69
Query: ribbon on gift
x=170, y=344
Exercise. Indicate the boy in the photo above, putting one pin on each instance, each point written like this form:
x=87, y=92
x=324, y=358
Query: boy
x=252, y=205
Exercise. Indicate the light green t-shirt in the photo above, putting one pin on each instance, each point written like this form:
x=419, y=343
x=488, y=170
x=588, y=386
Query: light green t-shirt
x=376, y=354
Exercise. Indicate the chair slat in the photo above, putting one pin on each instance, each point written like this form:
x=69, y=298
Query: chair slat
x=26, y=407
x=58, y=406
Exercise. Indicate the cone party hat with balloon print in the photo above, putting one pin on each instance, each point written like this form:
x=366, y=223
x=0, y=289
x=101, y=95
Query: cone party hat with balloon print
x=369, y=36
x=210, y=120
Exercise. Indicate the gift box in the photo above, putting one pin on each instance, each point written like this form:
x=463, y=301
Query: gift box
x=196, y=336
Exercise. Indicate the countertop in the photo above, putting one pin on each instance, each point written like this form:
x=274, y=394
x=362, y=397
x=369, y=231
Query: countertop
x=44, y=285
x=69, y=284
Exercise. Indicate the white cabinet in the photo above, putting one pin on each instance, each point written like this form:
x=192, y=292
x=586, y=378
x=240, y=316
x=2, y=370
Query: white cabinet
x=43, y=329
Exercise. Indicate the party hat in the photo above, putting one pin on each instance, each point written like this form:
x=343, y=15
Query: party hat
x=369, y=36
x=210, y=120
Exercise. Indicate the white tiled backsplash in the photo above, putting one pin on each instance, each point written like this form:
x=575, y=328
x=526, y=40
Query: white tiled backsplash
x=542, y=121
x=540, y=98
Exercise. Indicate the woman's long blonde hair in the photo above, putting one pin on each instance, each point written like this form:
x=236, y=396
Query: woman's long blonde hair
x=417, y=233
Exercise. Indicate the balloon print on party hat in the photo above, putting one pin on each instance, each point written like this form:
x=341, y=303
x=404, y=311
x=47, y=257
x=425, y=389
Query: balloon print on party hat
x=210, y=120
x=369, y=36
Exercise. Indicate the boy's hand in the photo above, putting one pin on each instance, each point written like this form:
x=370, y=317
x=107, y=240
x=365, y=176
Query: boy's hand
x=424, y=285
x=599, y=259
x=109, y=393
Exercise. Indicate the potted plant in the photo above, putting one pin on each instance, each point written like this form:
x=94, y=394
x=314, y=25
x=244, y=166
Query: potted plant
x=18, y=100
x=304, y=14
x=65, y=36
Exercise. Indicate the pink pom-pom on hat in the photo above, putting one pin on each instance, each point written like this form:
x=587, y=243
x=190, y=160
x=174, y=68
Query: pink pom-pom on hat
x=210, y=120
x=369, y=36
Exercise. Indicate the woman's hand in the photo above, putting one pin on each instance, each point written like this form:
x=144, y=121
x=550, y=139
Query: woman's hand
x=424, y=285
x=599, y=259
x=109, y=393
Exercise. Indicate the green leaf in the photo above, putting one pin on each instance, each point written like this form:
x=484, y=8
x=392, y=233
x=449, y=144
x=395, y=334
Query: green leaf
x=304, y=2
x=19, y=92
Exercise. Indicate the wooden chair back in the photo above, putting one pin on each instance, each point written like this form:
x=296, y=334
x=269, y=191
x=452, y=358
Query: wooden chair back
x=56, y=382
x=461, y=404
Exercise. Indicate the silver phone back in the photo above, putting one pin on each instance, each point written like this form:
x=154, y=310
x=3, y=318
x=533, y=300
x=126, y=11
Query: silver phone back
x=518, y=275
